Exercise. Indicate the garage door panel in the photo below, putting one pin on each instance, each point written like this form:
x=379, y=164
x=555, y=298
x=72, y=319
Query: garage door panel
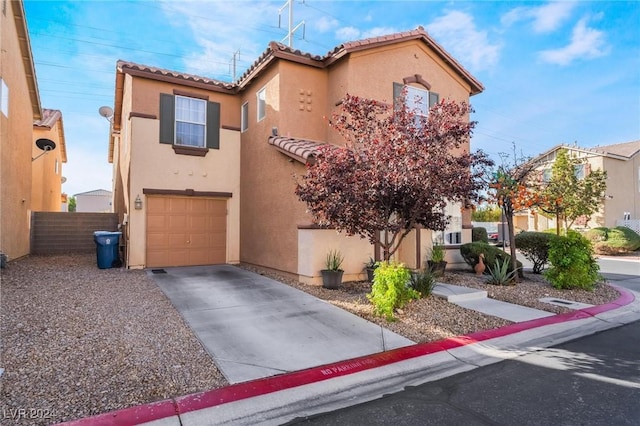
x=178, y=205
x=156, y=221
x=183, y=231
x=157, y=240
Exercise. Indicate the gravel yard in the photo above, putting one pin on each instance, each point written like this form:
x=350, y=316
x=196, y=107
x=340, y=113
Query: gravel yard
x=78, y=341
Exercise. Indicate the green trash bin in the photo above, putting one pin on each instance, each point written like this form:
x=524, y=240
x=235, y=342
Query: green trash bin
x=107, y=248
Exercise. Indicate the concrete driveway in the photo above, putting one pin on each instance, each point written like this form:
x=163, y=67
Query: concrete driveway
x=256, y=327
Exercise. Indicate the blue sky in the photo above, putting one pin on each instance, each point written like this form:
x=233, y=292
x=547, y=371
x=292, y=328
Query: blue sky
x=553, y=73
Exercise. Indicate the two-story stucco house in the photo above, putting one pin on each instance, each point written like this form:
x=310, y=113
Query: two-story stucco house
x=622, y=199
x=212, y=164
x=19, y=108
x=32, y=146
x=46, y=170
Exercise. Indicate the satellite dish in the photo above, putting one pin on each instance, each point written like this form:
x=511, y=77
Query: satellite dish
x=46, y=144
x=106, y=112
x=63, y=179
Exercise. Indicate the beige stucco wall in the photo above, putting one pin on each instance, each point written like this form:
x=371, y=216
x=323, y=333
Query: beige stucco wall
x=156, y=166
x=623, y=191
x=46, y=188
x=15, y=143
x=270, y=209
x=313, y=246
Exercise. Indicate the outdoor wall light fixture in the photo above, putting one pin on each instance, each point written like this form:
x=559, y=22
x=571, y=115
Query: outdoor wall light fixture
x=137, y=204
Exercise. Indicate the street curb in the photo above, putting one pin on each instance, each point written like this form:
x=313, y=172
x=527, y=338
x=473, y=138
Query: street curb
x=164, y=410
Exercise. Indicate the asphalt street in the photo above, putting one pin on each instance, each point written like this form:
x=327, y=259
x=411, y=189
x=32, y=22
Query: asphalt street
x=594, y=380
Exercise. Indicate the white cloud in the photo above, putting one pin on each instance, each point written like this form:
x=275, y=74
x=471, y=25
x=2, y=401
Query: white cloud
x=324, y=24
x=545, y=19
x=378, y=31
x=347, y=33
x=216, y=43
x=586, y=43
x=457, y=32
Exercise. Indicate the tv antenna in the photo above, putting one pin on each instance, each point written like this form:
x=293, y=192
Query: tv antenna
x=233, y=63
x=291, y=29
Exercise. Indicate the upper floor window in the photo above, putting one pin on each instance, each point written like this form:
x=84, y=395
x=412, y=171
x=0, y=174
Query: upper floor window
x=56, y=167
x=417, y=100
x=578, y=170
x=262, y=103
x=191, y=122
x=244, y=117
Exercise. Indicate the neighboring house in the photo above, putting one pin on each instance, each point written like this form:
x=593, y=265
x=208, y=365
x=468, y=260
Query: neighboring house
x=47, y=179
x=622, y=199
x=213, y=163
x=98, y=201
x=19, y=108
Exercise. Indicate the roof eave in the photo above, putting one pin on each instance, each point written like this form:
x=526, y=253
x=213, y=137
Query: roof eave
x=27, y=58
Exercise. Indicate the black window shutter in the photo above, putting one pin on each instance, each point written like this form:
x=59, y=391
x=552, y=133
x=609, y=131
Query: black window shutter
x=434, y=98
x=397, y=92
x=213, y=125
x=167, y=118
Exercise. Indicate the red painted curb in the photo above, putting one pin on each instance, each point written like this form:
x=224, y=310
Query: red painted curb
x=240, y=391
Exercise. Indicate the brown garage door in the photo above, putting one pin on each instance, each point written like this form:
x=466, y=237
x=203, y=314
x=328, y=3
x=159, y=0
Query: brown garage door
x=186, y=231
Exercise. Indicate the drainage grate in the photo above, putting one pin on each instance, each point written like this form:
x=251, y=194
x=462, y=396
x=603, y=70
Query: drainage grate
x=158, y=271
x=563, y=302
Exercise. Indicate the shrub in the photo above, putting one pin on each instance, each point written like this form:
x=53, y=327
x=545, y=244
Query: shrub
x=423, y=282
x=479, y=234
x=573, y=264
x=499, y=273
x=390, y=288
x=535, y=247
x=613, y=241
x=471, y=251
x=597, y=235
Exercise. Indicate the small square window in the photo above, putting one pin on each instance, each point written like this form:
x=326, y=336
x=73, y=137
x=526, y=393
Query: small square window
x=244, y=117
x=262, y=103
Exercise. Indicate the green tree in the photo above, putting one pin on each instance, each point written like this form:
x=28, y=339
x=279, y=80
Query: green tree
x=489, y=213
x=571, y=191
x=72, y=204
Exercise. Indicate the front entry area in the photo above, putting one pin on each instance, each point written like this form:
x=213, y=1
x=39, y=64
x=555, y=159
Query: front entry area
x=185, y=231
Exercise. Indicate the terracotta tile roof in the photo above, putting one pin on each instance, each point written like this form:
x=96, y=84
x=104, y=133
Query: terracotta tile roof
x=627, y=149
x=49, y=118
x=279, y=50
x=139, y=69
x=302, y=150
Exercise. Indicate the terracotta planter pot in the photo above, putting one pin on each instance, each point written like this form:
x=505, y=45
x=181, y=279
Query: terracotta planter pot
x=331, y=279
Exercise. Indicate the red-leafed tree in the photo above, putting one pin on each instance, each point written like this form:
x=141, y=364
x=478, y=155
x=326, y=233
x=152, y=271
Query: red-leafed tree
x=398, y=169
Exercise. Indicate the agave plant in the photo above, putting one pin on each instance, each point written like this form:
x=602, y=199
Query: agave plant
x=499, y=274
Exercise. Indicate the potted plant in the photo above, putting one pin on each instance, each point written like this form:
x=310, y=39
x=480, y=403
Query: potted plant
x=370, y=267
x=437, y=264
x=332, y=274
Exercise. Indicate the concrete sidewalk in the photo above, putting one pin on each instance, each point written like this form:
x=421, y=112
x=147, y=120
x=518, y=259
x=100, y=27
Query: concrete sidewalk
x=244, y=307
